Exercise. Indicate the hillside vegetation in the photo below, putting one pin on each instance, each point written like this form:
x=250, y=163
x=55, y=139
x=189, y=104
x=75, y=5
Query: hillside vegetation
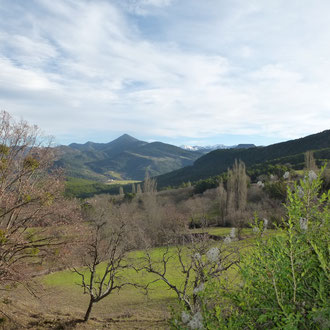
x=124, y=158
x=218, y=161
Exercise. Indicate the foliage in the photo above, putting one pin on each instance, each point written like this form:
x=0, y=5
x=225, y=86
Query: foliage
x=285, y=279
x=268, y=169
x=202, y=185
x=276, y=190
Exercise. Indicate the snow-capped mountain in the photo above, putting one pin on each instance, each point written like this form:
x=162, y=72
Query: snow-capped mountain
x=215, y=147
x=206, y=148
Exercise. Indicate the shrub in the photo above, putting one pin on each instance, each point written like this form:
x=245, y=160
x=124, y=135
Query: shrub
x=285, y=280
x=276, y=190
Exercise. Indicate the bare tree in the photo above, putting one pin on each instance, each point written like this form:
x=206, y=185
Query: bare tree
x=121, y=191
x=30, y=195
x=197, y=209
x=222, y=200
x=149, y=184
x=138, y=189
x=157, y=221
x=310, y=163
x=198, y=260
x=103, y=254
x=237, y=194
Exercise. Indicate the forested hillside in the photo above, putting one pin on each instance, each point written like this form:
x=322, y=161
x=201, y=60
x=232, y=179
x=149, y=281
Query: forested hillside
x=218, y=161
x=123, y=158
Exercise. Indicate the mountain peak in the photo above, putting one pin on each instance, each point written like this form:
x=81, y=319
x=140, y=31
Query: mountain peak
x=126, y=138
x=125, y=141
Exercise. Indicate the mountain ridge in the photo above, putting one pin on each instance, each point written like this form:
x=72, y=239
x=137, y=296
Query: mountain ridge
x=218, y=161
x=125, y=157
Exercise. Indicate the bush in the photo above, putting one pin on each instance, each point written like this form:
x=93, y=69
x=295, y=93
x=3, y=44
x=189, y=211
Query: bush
x=285, y=280
x=276, y=190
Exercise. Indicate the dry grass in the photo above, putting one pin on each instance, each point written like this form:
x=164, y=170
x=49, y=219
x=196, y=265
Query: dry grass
x=63, y=308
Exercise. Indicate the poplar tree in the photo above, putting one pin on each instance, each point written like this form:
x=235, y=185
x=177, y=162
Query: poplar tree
x=237, y=194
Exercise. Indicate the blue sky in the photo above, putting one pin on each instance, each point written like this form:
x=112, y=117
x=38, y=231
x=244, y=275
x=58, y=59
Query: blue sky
x=179, y=71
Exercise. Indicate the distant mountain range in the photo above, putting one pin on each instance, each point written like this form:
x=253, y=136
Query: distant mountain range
x=128, y=158
x=206, y=149
x=217, y=161
x=122, y=159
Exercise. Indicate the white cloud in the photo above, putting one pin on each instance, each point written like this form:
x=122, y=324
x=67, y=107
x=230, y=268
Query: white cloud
x=144, y=7
x=80, y=67
x=16, y=78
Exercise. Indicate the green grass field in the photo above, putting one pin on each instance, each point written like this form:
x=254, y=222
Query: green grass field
x=125, y=307
x=122, y=182
x=61, y=298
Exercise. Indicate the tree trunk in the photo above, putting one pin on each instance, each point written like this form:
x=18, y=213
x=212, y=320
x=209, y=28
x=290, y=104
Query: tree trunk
x=89, y=309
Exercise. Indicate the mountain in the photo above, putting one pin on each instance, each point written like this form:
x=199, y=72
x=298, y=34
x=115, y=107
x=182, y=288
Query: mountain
x=115, y=147
x=218, y=161
x=123, y=158
x=244, y=146
x=207, y=149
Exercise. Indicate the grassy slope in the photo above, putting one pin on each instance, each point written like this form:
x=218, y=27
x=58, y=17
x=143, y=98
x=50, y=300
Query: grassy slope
x=59, y=299
x=124, y=157
x=83, y=188
x=132, y=299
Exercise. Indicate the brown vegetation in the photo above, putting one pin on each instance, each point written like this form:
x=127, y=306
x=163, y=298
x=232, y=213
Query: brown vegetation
x=31, y=199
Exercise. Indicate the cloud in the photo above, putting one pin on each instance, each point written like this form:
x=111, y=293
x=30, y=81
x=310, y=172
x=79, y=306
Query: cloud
x=94, y=69
x=144, y=7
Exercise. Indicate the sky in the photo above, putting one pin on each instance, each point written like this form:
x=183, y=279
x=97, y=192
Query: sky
x=195, y=72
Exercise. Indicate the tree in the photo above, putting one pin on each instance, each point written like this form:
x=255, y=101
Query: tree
x=149, y=185
x=121, y=191
x=138, y=189
x=222, y=200
x=237, y=194
x=197, y=262
x=310, y=163
x=30, y=194
x=103, y=252
x=237, y=186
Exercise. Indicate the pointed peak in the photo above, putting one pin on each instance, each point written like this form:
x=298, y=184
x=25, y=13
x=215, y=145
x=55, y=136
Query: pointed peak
x=126, y=137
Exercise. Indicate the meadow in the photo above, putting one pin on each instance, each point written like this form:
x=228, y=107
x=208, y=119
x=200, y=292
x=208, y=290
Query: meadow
x=59, y=301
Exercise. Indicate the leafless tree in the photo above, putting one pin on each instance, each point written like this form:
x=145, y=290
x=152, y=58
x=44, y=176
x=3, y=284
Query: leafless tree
x=156, y=220
x=310, y=163
x=149, y=185
x=198, y=260
x=222, y=200
x=138, y=189
x=237, y=194
x=103, y=254
x=30, y=195
x=121, y=191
